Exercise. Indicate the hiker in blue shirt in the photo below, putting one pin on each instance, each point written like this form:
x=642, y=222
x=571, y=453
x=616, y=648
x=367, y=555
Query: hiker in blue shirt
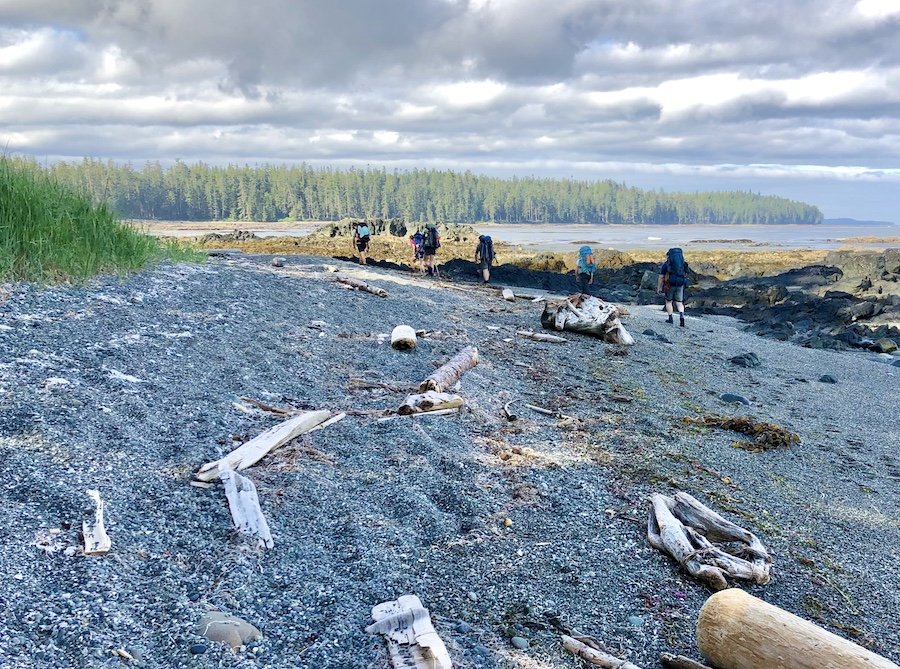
x=361, y=237
x=672, y=280
x=584, y=271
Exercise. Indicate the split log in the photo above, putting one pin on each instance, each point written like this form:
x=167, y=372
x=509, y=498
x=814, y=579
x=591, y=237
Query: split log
x=593, y=656
x=588, y=315
x=738, y=631
x=429, y=401
x=96, y=540
x=670, y=661
x=255, y=449
x=686, y=529
x=444, y=377
x=243, y=502
x=541, y=336
x=363, y=286
x=403, y=338
x=412, y=640
x=508, y=295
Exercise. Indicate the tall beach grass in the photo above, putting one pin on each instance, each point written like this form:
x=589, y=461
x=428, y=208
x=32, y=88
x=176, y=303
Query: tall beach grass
x=49, y=233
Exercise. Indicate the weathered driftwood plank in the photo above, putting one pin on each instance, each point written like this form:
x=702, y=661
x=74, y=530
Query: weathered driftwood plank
x=594, y=656
x=670, y=661
x=429, y=401
x=412, y=640
x=541, y=336
x=738, y=631
x=96, y=540
x=362, y=285
x=444, y=377
x=403, y=338
x=331, y=421
x=255, y=449
x=243, y=502
x=588, y=315
x=686, y=529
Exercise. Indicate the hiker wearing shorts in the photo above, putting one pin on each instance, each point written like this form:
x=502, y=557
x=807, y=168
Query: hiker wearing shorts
x=361, y=239
x=584, y=271
x=485, y=256
x=418, y=254
x=671, y=282
x=430, y=244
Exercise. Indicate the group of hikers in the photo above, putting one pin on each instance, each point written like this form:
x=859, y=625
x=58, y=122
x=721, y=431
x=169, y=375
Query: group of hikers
x=425, y=243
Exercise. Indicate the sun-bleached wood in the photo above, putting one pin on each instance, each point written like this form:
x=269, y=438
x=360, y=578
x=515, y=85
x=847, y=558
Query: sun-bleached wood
x=508, y=295
x=593, y=656
x=588, y=315
x=362, y=285
x=412, y=640
x=429, y=401
x=738, y=631
x=254, y=450
x=670, y=661
x=542, y=336
x=243, y=502
x=403, y=338
x=447, y=375
x=96, y=540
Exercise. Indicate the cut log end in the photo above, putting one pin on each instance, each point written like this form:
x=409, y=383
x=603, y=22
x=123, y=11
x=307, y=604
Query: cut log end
x=447, y=375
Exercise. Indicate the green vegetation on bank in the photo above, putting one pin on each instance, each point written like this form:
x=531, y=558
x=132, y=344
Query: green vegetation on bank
x=270, y=193
x=50, y=233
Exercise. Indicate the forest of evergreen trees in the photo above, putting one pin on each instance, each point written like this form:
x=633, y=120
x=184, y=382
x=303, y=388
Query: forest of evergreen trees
x=280, y=192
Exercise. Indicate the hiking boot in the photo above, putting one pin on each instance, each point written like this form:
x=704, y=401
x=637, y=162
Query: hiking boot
x=669, y=319
x=681, y=320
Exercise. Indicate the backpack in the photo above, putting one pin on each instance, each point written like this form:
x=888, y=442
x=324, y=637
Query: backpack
x=363, y=232
x=486, y=248
x=585, y=260
x=675, y=261
x=431, y=237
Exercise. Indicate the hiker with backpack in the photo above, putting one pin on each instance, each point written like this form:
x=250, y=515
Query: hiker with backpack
x=671, y=282
x=485, y=256
x=584, y=271
x=430, y=244
x=416, y=241
x=361, y=237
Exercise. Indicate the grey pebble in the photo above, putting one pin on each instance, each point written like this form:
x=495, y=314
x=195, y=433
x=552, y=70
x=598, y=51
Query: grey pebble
x=519, y=642
x=732, y=398
x=827, y=378
x=198, y=649
x=637, y=621
x=472, y=597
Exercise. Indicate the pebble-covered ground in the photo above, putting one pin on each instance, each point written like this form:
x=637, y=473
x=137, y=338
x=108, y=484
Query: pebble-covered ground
x=127, y=387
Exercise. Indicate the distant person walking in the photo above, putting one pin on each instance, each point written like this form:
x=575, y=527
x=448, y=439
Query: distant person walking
x=485, y=256
x=671, y=282
x=584, y=271
x=418, y=254
x=430, y=244
x=361, y=238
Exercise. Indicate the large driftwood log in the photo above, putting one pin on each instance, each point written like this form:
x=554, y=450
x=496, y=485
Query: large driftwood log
x=243, y=502
x=686, y=529
x=362, y=285
x=596, y=657
x=429, y=401
x=444, y=377
x=254, y=450
x=588, y=315
x=96, y=540
x=670, y=661
x=412, y=640
x=738, y=631
x=403, y=338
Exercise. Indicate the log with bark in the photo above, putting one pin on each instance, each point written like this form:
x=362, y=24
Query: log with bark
x=96, y=540
x=542, y=336
x=688, y=531
x=254, y=450
x=447, y=375
x=670, y=661
x=738, y=631
x=593, y=655
x=243, y=502
x=588, y=315
x=412, y=640
x=429, y=401
x=362, y=285
x=403, y=338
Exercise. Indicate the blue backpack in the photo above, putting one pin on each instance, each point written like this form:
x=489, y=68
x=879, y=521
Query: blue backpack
x=363, y=232
x=585, y=267
x=677, y=273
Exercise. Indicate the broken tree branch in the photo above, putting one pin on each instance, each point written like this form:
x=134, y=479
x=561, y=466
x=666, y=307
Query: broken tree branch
x=596, y=657
x=362, y=285
x=243, y=502
x=447, y=375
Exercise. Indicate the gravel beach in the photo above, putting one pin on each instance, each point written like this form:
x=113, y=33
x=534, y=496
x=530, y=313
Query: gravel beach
x=127, y=387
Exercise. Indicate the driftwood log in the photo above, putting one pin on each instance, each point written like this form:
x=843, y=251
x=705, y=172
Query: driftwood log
x=403, y=338
x=594, y=656
x=686, y=529
x=412, y=640
x=429, y=401
x=508, y=295
x=96, y=540
x=243, y=502
x=738, y=631
x=254, y=450
x=363, y=286
x=670, y=661
x=542, y=336
x=446, y=376
x=588, y=315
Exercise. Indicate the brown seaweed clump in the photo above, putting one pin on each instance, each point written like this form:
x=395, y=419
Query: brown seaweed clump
x=767, y=435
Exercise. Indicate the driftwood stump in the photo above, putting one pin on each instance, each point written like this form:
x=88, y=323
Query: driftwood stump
x=243, y=502
x=587, y=315
x=403, y=338
x=446, y=376
x=96, y=540
x=412, y=640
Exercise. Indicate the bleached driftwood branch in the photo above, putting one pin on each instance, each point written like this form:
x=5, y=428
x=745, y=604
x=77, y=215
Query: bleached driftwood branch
x=686, y=529
x=243, y=503
x=412, y=640
x=96, y=540
x=254, y=450
x=670, y=661
x=362, y=285
x=444, y=377
x=594, y=656
x=588, y=315
x=429, y=401
x=541, y=336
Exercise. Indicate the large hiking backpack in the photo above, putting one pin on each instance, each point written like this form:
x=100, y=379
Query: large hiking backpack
x=431, y=237
x=363, y=232
x=486, y=248
x=675, y=260
x=585, y=260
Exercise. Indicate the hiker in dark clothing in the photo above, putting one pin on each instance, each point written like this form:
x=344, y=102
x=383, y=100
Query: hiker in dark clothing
x=430, y=245
x=584, y=272
x=485, y=256
x=361, y=237
x=671, y=282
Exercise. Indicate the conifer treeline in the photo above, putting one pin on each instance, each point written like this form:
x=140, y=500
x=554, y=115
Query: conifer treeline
x=270, y=193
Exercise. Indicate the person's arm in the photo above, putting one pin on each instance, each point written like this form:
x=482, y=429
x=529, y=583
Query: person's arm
x=659, y=283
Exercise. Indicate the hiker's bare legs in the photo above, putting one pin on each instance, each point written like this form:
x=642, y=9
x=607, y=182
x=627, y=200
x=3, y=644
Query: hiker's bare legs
x=669, y=307
x=486, y=274
x=678, y=305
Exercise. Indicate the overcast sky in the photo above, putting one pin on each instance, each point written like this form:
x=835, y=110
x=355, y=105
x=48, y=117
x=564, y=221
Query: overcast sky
x=793, y=97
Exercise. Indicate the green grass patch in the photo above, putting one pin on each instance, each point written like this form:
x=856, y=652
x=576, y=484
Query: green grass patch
x=50, y=234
